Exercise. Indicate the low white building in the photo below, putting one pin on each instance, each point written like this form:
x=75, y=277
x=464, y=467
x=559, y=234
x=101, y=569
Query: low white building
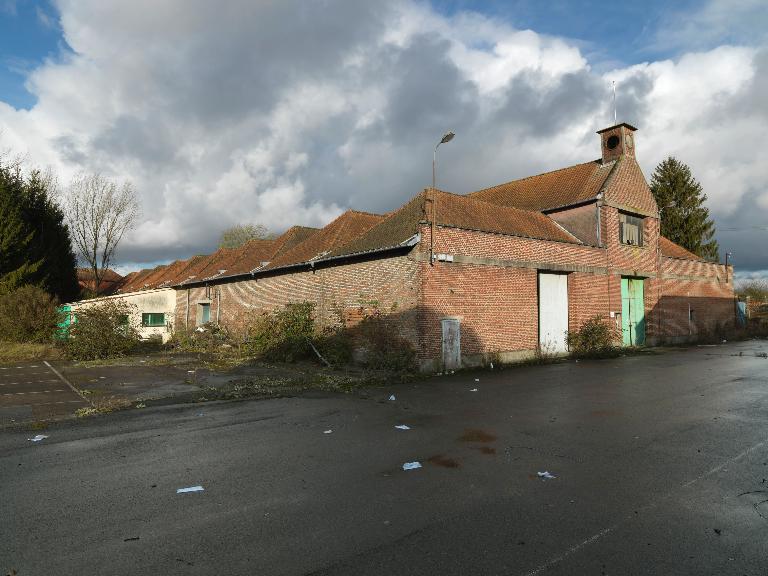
x=153, y=311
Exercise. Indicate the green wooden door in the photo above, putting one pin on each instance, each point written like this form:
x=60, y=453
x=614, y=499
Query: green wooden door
x=632, y=312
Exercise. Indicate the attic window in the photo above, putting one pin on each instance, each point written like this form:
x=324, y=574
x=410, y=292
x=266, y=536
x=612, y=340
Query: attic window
x=630, y=229
x=612, y=142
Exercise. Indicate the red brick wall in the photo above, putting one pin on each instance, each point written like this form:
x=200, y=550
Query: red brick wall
x=338, y=292
x=491, y=286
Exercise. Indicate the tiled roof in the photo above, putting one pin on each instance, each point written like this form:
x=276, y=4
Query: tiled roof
x=350, y=225
x=627, y=187
x=291, y=237
x=251, y=255
x=672, y=250
x=563, y=187
x=457, y=211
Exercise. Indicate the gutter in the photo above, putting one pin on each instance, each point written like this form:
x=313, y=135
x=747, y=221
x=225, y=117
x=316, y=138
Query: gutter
x=410, y=242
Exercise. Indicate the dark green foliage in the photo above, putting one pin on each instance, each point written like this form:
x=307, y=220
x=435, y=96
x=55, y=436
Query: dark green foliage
x=100, y=331
x=35, y=245
x=51, y=243
x=595, y=339
x=282, y=335
x=208, y=338
x=335, y=344
x=28, y=314
x=687, y=223
x=16, y=234
x=385, y=348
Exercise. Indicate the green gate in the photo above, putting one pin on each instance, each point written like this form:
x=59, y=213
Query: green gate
x=632, y=312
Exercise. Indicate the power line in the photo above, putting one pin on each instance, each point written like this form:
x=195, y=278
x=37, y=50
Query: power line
x=742, y=229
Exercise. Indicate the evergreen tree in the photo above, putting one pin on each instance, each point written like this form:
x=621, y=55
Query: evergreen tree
x=16, y=235
x=51, y=243
x=684, y=218
x=35, y=245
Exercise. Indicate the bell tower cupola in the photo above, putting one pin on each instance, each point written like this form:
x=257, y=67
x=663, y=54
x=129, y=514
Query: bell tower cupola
x=617, y=141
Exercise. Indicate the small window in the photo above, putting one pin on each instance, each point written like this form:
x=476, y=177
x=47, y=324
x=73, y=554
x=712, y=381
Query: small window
x=630, y=229
x=153, y=319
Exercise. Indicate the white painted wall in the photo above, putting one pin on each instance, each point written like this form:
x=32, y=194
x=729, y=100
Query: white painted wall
x=161, y=300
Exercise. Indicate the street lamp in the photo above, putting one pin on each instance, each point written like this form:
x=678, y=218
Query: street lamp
x=447, y=137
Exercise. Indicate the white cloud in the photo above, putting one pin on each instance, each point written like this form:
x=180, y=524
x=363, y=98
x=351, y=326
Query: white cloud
x=247, y=112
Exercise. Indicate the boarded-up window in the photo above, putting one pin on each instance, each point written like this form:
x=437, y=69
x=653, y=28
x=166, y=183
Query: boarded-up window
x=153, y=319
x=630, y=229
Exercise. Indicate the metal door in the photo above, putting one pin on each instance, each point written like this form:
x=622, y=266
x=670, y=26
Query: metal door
x=451, y=343
x=553, y=312
x=632, y=312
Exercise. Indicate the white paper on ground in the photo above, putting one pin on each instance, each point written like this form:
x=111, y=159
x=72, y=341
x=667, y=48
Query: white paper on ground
x=403, y=427
x=190, y=489
x=473, y=390
x=38, y=438
x=546, y=475
x=411, y=465
x=392, y=398
x=328, y=432
x=477, y=379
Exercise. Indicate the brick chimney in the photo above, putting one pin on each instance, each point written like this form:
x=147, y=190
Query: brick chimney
x=617, y=141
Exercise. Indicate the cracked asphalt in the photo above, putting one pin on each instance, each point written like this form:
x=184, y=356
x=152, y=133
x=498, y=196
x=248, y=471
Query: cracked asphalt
x=660, y=465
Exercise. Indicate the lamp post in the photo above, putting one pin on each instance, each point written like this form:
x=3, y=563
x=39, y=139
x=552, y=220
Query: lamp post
x=447, y=137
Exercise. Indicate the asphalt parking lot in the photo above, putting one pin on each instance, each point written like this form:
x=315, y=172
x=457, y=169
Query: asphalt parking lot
x=660, y=466
x=31, y=391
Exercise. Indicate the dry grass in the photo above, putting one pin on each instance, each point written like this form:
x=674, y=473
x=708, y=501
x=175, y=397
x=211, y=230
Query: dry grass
x=16, y=352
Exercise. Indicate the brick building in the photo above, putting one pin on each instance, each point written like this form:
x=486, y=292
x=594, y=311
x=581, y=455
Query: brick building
x=500, y=272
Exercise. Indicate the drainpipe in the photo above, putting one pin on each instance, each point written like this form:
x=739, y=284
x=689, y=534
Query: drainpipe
x=218, y=305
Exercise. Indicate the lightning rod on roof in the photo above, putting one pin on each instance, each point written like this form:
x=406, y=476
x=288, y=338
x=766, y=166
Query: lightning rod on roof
x=613, y=83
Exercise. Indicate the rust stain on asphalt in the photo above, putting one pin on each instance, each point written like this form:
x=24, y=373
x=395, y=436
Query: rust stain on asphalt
x=442, y=461
x=473, y=435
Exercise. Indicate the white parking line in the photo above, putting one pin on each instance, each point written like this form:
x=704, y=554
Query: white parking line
x=67, y=382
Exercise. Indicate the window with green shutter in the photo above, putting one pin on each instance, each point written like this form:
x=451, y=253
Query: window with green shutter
x=153, y=319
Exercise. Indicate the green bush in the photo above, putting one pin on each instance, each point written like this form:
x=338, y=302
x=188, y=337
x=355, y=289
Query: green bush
x=386, y=348
x=207, y=338
x=102, y=331
x=282, y=335
x=595, y=339
x=28, y=314
x=335, y=344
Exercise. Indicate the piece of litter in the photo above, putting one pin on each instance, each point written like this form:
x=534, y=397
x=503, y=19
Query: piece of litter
x=473, y=390
x=130, y=539
x=190, y=489
x=102, y=377
x=328, y=432
x=392, y=398
x=546, y=475
x=38, y=438
x=411, y=465
x=477, y=379
x=402, y=427
x=190, y=371
x=200, y=414
x=491, y=365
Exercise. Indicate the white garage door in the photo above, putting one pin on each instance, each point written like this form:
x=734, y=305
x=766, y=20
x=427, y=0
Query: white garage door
x=553, y=312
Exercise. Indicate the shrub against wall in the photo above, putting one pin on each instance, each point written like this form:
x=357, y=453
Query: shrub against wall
x=28, y=314
x=102, y=331
x=594, y=339
x=282, y=335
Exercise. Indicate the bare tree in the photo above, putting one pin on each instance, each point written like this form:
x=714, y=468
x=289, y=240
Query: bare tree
x=239, y=234
x=99, y=213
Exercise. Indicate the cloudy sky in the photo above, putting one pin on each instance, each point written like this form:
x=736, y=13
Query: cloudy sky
x=288, y=112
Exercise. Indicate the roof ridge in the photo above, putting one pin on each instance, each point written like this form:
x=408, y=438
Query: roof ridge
x=596, y=161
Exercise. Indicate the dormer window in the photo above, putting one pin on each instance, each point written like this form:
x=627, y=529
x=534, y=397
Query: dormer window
x=630, y=229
